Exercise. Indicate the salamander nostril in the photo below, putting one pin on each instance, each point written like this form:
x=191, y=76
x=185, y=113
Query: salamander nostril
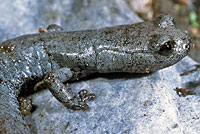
x=189, y=45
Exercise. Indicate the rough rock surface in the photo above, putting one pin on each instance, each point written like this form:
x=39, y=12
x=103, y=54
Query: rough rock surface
x=126, y=103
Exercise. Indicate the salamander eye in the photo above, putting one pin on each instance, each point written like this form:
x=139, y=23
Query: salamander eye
x=162, y=45
x=166, y=48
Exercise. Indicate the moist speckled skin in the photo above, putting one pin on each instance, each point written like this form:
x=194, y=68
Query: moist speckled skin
x=58, y=56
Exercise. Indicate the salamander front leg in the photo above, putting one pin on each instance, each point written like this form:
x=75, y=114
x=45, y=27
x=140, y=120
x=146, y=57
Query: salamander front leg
x=54, y=82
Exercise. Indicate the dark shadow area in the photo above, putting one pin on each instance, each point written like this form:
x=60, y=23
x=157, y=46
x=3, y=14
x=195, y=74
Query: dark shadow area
x=27, y=88
x=34, y=107
x=112, y=76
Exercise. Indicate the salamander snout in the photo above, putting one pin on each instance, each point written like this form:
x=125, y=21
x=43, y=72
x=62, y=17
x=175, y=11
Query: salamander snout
x=188, y=44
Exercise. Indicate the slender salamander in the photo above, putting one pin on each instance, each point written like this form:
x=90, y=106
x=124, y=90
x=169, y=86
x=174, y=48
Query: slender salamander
x=56, y=56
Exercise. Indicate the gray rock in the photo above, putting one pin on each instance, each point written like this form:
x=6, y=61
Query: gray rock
x=126, y=103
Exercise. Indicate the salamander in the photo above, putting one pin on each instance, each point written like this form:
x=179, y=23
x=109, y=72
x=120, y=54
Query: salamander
x=57, y=56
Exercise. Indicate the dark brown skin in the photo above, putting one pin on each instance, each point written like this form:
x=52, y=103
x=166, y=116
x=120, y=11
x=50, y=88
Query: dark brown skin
x=59, y=56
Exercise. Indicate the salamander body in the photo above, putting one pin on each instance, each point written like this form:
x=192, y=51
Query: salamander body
x=57, y=56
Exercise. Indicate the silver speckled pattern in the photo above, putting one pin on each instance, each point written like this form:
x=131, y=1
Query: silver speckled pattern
x=138, y=48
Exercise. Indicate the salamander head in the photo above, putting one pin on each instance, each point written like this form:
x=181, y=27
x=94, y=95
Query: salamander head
x=168, y=44
x=162, y=45
x=143, y=47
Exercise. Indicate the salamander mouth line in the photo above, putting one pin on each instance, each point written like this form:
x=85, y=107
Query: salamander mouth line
x=143, y=52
